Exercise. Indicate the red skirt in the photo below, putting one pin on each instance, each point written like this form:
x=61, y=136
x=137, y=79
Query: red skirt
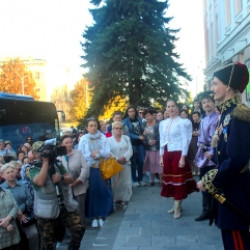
x=177, y=182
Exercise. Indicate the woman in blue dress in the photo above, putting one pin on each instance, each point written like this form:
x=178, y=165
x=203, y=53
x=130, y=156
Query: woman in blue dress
x=99, y=196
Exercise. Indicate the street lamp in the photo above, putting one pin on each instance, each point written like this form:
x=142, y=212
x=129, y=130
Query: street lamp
x=22, y=81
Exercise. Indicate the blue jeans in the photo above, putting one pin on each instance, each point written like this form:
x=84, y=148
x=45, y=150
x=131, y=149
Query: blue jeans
x=137, y=162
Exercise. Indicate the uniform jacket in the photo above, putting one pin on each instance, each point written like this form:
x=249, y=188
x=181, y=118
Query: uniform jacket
x=233, y=149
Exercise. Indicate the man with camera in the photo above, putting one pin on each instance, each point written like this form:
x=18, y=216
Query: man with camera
x=54, y=201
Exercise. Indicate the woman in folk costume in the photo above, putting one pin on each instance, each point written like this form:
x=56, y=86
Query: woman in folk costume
x=121, y=149
x=175, y=137
x=232, y=140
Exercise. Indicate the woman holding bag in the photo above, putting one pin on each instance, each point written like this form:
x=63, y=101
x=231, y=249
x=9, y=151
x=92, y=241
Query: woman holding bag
x=121, y=149
x=99, y=196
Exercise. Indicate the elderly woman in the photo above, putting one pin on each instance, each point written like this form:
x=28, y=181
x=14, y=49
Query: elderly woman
x=121, y=149
x=77, y=166
x=9, y=234
x=24, y=200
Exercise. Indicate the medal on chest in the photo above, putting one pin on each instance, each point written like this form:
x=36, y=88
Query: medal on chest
x=225, y=125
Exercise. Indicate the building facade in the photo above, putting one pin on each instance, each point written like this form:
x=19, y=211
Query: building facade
x=38, y=69
x=227, y=36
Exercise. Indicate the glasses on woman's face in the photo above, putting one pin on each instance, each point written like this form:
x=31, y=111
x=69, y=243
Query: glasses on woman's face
x=118, y=128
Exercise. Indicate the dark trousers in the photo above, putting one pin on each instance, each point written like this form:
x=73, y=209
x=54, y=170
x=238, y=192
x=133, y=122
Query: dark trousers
x=14, y=247
x=203, y=171
x=137, y=162
x=81, y=200
x=206, y=197
x=236, y=239
x=47, y=229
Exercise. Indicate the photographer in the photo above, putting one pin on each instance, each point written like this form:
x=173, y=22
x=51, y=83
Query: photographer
x=53, y=198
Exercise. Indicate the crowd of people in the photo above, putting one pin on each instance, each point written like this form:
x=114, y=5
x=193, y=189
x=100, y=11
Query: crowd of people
x=42, y=194
x=133, y=139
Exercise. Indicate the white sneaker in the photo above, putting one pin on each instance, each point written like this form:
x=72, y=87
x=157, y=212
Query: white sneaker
x=136, y=184
x=142, y=183
x=94, y=223
x=100, y=222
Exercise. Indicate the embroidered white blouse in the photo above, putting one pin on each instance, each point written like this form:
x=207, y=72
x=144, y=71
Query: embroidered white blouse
x=176, y=133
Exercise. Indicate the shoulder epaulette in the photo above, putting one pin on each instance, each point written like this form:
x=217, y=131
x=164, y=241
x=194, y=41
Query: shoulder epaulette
x=241, y=112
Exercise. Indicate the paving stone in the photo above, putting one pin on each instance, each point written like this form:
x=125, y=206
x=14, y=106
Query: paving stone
x=146, y=225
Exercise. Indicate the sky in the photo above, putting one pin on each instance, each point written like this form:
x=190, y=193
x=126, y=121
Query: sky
x=52, y=30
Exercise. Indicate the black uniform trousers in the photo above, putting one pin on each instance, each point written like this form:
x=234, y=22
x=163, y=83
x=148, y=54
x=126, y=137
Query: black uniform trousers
x=236, y=239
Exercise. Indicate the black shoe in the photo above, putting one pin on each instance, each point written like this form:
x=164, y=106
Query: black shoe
x=203, y=216
x=151, y=184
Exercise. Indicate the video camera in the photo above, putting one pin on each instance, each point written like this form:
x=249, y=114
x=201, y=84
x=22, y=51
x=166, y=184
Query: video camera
x=51, y=149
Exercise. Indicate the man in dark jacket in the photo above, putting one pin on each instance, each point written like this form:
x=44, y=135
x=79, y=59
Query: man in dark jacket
x=232, y=139
x=134, y=129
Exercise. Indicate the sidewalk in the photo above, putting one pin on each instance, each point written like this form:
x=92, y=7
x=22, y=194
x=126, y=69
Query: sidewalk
x=146, y=225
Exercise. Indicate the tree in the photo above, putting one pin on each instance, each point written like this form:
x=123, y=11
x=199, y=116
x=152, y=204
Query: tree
x=118, y=104
x=15, y=78
x=81, y=98
x=129, y=51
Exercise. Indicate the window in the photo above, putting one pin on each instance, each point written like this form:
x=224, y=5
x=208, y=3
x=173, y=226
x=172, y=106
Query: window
x=217, y=36
x=238, y=6
x=227, y=14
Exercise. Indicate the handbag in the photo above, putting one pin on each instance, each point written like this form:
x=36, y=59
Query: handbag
x=46, y=209
x=109, y=167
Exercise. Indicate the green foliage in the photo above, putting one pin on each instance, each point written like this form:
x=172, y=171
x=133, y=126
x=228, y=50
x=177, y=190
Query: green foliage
x=129, y=51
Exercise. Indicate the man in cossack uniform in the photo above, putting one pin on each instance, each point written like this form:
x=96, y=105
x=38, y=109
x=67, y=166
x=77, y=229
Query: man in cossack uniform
x=232, y=138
